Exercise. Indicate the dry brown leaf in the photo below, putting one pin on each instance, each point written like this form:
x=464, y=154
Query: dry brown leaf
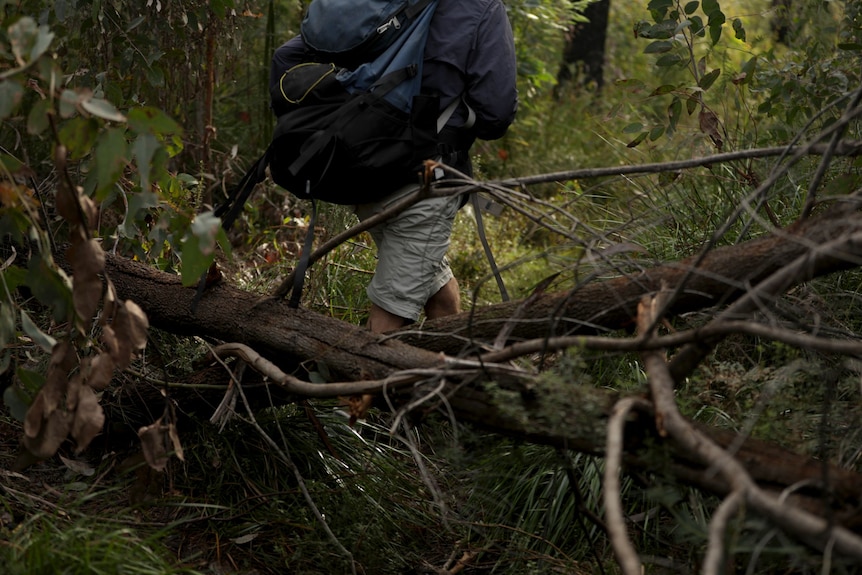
x=175, y=441
x=51, y=435
x=63, y=359
x=88, y=207
x=76, y=383
x=109, y=305
x=88, y=262
x=153, y=445
x=35, y=416
x=138, y=325
x=67, y=205
x=130, y=328
x=709, y=125
x=358, y=406
x=109, y=341
x=79, y=467
x=100, y=371
x=89, y=418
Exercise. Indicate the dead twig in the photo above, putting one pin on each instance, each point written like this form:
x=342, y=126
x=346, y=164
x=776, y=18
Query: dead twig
x=624, y=550
x=811, y=529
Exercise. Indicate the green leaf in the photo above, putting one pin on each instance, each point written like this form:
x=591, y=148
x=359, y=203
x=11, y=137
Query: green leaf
x=224, y=241
x=195, y=261
x=155, y=76
x=708, y=79
x=738, y=29
x=690, y=7
x=714, y=33
x=10, y=164
x=674, y=112
x=697, y=27
x=15, y=399
x=633, y=128
x=710, y=7
x=662, y=30
x=38, y=119
x=656, y=133
x=152, y=120
x=69, y=100
x=39, y=337
x=669, y=60
x=660, y=7
x=12, y=277
x=143, y=200
x=28, y=41
x=658, y=47
x=143, y=149
x=42, y=43
x=198, y=246
x=11, y=94
x=135, y=23
x=32, y=380
x=50, y=287
x=682, y=26
x=15, y=223
x=641, y=137
x=8, y=333
x=205, y=227
x=691, y=104
x=102, y=109
x=749, y=67
x=663, y=89
x=111, y=158
x=79, y=136
x=715, y=22
x=220, y=7
x=62, y=9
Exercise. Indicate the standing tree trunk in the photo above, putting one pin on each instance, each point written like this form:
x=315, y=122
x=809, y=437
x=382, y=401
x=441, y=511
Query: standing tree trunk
x=584, y=51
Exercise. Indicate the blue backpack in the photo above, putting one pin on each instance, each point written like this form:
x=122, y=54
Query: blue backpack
x=352, y=125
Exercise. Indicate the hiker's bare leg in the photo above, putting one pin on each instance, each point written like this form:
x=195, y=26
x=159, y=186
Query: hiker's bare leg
x=380, y=320
x=447, y=301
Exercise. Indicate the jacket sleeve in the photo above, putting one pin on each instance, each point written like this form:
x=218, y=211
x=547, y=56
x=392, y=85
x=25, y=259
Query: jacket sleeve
x=491, y=74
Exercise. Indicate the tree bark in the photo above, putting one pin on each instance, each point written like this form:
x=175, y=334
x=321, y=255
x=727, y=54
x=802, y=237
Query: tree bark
x=564, y=414
x=719, y=277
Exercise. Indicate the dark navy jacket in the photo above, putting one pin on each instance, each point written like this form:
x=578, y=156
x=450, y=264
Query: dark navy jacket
x=470, y=51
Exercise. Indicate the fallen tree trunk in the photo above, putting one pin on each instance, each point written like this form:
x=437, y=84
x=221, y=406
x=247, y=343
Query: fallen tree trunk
x=279, y=332
x=719, y=277
x=569, y=415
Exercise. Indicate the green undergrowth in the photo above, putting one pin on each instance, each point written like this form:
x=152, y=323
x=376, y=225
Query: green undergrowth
x=80, y=534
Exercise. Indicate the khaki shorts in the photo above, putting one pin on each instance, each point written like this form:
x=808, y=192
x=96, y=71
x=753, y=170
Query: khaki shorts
x=411, y=252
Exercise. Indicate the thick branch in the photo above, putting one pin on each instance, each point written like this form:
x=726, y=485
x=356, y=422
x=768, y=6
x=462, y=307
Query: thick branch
x=721, y=276
x=566, y=415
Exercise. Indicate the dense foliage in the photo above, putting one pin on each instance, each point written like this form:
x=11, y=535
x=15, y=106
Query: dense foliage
x=142, y=115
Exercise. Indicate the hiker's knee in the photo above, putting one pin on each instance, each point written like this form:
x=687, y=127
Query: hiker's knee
x=447, y=301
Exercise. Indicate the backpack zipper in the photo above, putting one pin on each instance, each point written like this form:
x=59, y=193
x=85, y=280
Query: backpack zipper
x=386, y=25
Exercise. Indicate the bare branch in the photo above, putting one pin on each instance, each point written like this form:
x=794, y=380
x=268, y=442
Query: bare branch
x=710, y=331
x=295, y=386
x=845, y=148
x=809, y=528
x=845, y=248
x=717, y=528
x=625, y=552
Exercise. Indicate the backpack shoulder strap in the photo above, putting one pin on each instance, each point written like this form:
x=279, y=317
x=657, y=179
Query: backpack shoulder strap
x=232, y=206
